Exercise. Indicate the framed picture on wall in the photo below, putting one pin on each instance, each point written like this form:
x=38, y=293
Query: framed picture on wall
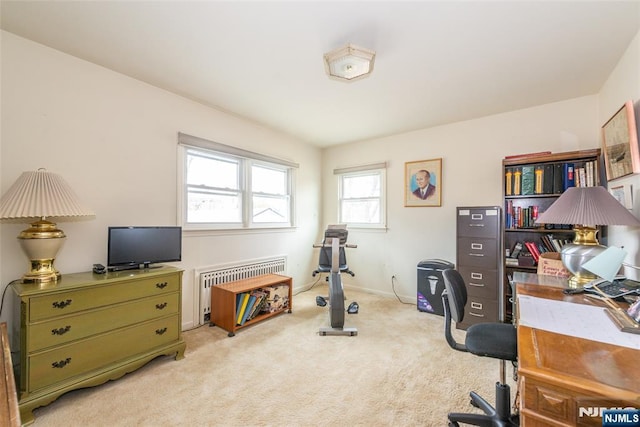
x=423, y=183
x=620, y=143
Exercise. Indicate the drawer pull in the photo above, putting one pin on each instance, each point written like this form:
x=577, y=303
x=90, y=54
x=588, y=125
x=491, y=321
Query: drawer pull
x=161, y=331
x=476, y=305
x=161, y=306
x=471, y=313
x=476, y=255
x=62, y=363
x=61, y=304
x=61, y=331
x=478, y=285
x=476, y=225
x=161, y=285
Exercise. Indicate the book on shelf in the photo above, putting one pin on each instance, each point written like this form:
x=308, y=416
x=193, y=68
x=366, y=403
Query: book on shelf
x=517, y=249
x=260, y=296
x=248, y=308
x=528, y=180
x=517, y=181
x=243, y=306
x=568, y=176
x=533, y=250
x=547, y=179
x=508, y=182
x=557, y=178
x=539, y=180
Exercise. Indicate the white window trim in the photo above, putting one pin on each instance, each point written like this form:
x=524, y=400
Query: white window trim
x=365, y=170
x=248, y=158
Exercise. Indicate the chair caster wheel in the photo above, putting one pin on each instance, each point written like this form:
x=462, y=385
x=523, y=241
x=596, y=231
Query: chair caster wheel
x=320, y=301
x=453, y=424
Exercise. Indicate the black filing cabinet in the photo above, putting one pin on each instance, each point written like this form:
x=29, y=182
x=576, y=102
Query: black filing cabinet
x=479, y=262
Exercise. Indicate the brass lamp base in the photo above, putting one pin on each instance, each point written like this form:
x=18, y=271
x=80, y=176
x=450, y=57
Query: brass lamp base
x=41, y=243
x=585, y=246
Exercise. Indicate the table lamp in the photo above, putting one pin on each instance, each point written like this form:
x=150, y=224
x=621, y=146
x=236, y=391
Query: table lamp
x=38, y=195
x=585, y=208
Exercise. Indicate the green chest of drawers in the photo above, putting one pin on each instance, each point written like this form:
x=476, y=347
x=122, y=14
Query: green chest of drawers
x=87, y=329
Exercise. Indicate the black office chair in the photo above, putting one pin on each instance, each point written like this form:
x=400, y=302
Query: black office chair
x=497, y=340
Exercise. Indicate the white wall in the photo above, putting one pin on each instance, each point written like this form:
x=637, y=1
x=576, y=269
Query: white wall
x=114, y=140
x=623, y=85
x=471, y=154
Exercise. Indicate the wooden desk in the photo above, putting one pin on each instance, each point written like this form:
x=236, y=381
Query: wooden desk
x=562, y=376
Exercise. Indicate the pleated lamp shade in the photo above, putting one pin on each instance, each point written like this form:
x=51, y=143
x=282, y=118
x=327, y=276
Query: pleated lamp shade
x=41, y=194
x=589, y=206
x=585, y=208
x=38, y=196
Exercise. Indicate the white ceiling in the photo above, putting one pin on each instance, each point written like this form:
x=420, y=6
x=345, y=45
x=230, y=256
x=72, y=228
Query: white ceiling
x=437, y=62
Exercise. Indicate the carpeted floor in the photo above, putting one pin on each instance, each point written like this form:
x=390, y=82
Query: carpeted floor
x=398, y=371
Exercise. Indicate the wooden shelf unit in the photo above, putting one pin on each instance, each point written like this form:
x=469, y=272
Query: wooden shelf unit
x=223, y=300
x=543, y=201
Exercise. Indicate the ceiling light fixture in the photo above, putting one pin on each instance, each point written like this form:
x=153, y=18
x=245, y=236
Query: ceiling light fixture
x=349, y=63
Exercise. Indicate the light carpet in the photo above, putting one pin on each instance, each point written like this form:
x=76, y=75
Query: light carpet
x=398, y=371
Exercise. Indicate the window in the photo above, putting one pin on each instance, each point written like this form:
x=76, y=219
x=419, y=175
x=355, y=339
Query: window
x=224, y=187
x=362, y=196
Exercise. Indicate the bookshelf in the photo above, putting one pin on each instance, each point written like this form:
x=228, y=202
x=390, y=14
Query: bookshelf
x=531, y=183
x=225, y=298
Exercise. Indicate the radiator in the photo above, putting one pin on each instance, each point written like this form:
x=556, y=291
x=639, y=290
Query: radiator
x=219, y=274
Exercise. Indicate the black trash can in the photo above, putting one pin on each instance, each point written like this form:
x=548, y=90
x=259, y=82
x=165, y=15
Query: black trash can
x=431, y=285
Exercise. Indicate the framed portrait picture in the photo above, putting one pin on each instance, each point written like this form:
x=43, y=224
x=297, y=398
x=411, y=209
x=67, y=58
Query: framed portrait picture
x=620, y=143
x=423, y=183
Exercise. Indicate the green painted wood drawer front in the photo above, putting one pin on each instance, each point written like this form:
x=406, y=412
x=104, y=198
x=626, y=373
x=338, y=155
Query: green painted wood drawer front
x=61, y=303
x=60, y=363
x=86, y=329
x=65, y=329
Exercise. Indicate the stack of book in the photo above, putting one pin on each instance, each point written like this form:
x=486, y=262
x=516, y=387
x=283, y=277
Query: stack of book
x=528, y=253
x=262, y=300
x=549, y=178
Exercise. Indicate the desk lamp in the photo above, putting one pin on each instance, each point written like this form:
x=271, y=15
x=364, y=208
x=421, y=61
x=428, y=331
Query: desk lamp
x=38, y=195
x=585, y=208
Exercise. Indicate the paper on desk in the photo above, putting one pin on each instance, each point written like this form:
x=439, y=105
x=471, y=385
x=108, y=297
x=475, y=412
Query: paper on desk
x=577, y=320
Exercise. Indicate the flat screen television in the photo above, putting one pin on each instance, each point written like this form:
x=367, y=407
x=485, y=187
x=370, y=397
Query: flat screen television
x=140, y=247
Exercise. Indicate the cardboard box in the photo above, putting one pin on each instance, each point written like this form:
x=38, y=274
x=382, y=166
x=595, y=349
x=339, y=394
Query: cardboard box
x=550, y=264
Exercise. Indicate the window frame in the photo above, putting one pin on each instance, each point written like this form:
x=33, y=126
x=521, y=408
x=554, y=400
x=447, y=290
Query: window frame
x=379, y=170
x=246, y=160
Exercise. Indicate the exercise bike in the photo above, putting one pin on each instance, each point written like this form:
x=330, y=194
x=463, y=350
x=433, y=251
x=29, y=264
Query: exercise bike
x=332, y=249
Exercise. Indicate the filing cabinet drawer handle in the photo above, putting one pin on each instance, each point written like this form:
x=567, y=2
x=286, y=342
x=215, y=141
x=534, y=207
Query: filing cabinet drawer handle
x=161, y=285
x=476, y=225
x=62, y=363
x=161, y=306
x=161, y=331
x=481, y=255
x=478, y=285
x=61, y=331
x=476, y=305
x=61, y=304
x=471, y=313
